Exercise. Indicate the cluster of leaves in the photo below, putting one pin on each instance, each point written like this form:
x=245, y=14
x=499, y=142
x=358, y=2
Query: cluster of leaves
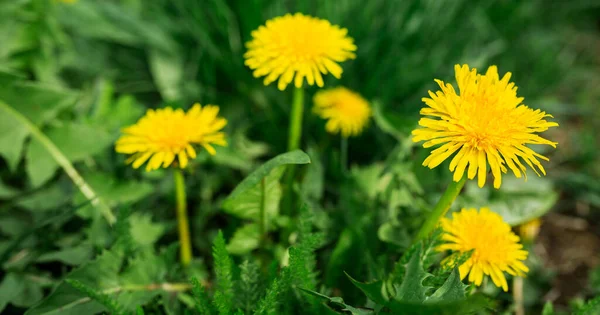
x=245, y=293
x=410, y=289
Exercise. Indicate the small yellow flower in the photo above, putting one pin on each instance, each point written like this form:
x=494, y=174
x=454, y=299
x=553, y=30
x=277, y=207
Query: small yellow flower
x=496, y=248
x=529, y=230
x=346, y=111
x=298, y=46
x=164, y=134
x=485, y=123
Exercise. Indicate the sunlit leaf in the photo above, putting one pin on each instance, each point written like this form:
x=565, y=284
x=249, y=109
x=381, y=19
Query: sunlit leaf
x=244, y=240
x=261, y=189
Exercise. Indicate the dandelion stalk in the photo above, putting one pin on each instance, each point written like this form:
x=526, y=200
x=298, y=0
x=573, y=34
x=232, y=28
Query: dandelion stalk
x=344, y=154
x=440, y=208
x=294, y=137
x=295, y=132
x=182, y=219
x=64, y=162
x=518, y=296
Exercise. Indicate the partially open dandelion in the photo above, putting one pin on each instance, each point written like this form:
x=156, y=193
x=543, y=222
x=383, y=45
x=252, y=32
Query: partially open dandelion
x=165, y=134
x=496, y=249
x=483, y=123
x=346, y=111
x=530, y=229
x=294, y=47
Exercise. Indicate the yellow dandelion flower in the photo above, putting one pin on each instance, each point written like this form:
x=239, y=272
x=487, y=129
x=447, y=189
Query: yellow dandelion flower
x=485, y=123
x=298, y=46
x=346, y=111
x=496, y=249
x=530, y=229
x=164, y=134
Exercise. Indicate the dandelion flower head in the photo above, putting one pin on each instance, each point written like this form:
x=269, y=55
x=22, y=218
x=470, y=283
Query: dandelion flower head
x=530, y=229
x=484, y=122
x=165, y=134
x=294, y=47
x=496, y=249
x=346, y=111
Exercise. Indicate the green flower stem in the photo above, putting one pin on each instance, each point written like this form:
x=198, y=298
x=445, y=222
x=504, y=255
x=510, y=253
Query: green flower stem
x=344, y=154
x=440, y=208
x=182, y=219
x=294, y=137
x=295, y=132
x=64, y=162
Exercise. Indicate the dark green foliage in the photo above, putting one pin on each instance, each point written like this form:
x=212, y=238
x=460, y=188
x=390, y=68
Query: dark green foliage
x=122, y=229
x=412, y=295
x=246, y=291
x=224, y=295
x=203, y=305
x=411, y=289
x=548, y=309
x=270, y=302
x=250, y=285
x=590, y=307
x=111, y=305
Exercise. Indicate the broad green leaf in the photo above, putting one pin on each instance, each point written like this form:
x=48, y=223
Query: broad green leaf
x=412, y=290
x=113, y=113
x=134, y=286
x=7, y=192
x=77, y=141
x=167, y=71
x=107, y=21
x=397, y=126
x=244, y=240
x=73, y=256
x=394, y=233
x=313, y=182
x=18, y=290
x=114, y=191
x=143, y=270
x=261, y=189
x=228, y=157
x=143, y=231
x=39, y=103
x=337, y=303
x=10, y=288
x=47, y=198
x=375, y=290
x=12, y=137
x=474, y=304
x=451, y=291
x=339, y=256
x=368, y=178
x=100, y=274
x=56, y=153
x=517, y=200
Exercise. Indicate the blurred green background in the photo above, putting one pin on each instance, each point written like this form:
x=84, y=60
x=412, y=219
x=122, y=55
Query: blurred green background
x=93, y=67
